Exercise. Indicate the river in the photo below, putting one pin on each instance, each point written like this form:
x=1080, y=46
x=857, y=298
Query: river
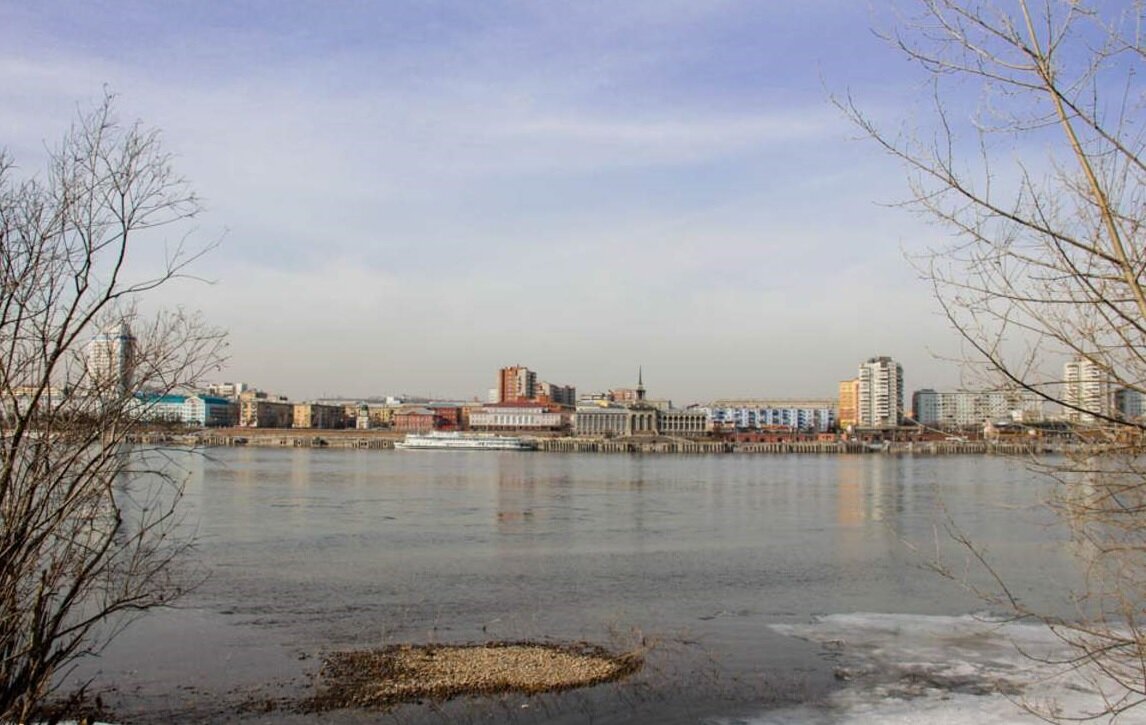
x=766, y=588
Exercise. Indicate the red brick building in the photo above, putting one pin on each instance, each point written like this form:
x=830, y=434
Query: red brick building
x=414, y=420
x=447, y=417
x=516, y=384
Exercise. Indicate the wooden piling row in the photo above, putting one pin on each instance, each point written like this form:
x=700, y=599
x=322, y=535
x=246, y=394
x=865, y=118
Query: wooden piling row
x=280, y=439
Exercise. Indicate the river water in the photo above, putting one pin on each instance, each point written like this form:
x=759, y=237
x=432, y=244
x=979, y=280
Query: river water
x=766, y=588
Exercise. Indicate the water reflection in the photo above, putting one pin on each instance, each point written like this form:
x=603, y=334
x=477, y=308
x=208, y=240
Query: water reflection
x=577, y=536
x=518, y=501
x=852, y=501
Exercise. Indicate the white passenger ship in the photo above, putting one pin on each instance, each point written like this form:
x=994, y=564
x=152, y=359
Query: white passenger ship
x=463, y=442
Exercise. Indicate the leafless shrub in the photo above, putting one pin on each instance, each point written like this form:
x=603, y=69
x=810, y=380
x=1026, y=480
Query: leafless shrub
x=87, y=515
x=1040, y=178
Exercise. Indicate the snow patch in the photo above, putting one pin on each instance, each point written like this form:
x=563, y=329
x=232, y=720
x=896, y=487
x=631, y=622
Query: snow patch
x=965, y=670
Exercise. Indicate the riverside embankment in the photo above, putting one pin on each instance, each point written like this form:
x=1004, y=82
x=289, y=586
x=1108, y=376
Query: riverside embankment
x=384, y=440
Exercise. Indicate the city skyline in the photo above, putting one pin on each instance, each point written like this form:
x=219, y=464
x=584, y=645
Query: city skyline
x=407, y=196
x=517, y=384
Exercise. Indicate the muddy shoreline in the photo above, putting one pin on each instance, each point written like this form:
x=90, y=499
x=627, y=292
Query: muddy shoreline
x=200, y=666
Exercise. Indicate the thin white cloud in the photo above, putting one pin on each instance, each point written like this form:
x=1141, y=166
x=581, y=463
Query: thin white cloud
x=732, y=131
x=534, y=192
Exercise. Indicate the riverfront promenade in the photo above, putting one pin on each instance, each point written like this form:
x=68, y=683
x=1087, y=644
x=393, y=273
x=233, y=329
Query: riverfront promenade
x=383, y=440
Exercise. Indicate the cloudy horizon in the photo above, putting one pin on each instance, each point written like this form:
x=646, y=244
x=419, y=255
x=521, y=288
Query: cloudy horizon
x=410, y=195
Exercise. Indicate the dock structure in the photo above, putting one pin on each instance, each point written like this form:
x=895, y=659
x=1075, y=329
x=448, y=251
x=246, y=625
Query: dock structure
x=284, y=439
x=684, y=445
x=352, y=439
x=634, y=444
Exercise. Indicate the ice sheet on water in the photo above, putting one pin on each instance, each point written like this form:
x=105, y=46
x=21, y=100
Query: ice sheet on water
x=944, y=670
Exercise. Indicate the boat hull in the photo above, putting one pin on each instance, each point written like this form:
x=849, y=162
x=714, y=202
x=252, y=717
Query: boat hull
x=462, y=442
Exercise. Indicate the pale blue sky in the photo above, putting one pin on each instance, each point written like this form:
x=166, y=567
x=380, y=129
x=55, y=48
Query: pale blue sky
x=417, y=193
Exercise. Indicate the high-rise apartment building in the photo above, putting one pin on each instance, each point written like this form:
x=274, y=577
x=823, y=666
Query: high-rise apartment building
x=1086, y=391
x=111, y=359
x=516, y=384
x=848, y=406
x=880, y=399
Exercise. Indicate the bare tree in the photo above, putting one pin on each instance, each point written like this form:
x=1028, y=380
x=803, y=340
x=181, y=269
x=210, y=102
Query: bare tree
x=1040, y=178
x=84, y=537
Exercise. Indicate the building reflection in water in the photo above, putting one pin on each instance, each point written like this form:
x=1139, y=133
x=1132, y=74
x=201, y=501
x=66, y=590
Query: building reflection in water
x=547, y=500
x=859, y=490
x=873, y=500
x=850, y=509
x=521, y=498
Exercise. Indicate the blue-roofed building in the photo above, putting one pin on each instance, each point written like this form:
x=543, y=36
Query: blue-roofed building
x=162, y=408
x=209, y=411
x=203, y=411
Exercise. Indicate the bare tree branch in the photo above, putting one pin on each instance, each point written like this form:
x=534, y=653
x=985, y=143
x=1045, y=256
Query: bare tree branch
x=88, y=518
x=1047, y=264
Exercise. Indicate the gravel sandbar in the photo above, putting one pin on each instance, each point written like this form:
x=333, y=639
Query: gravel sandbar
x=404, y=673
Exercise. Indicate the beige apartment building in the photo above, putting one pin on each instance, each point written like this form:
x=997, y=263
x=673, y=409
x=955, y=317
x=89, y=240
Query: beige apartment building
x=256, y=410
x=381, y=416
x=318, y=415
x=848, y=409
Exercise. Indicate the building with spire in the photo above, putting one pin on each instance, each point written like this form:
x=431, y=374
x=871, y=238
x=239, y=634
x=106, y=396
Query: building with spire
x=632, y=396
x=628, y=412
x=642, y=416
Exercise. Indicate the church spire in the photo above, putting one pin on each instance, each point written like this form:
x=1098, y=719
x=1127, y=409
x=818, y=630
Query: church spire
x=640, y=383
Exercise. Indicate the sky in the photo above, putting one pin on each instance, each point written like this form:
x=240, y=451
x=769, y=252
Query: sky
x=411, y=194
